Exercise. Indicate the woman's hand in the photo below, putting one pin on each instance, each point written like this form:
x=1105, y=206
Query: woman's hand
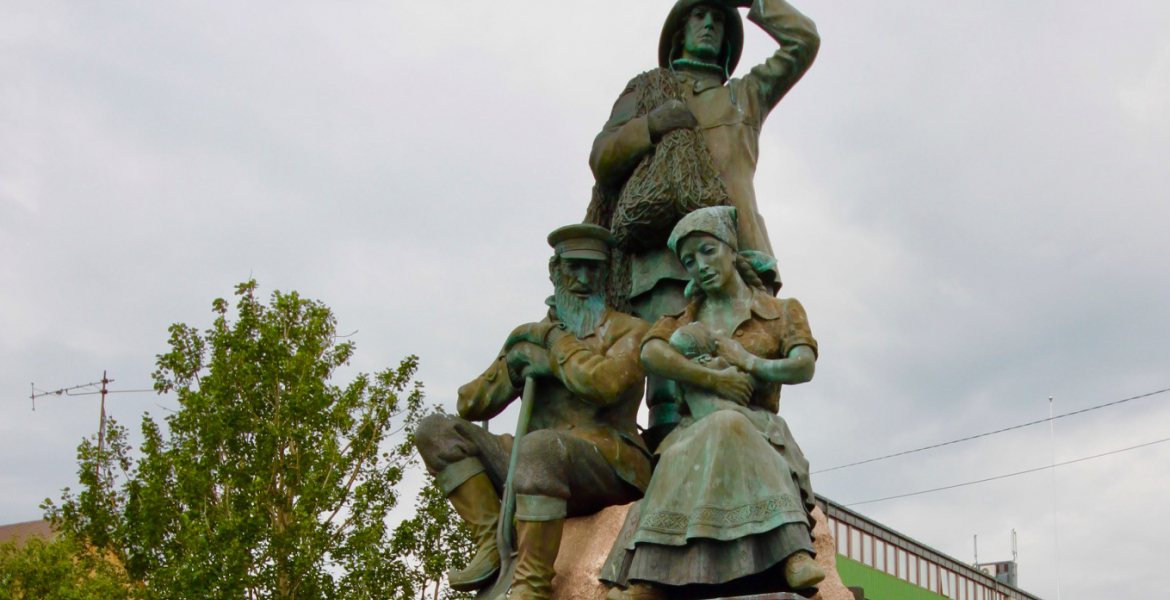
x=733, y=384
x=735, y=353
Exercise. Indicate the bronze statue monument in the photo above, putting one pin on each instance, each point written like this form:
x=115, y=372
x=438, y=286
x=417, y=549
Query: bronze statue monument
x=728, y=505
x=672, y=234
x=582, y=451
x=685, y=136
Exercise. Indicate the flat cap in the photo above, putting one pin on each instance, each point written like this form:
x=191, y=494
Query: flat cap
x=582, y=240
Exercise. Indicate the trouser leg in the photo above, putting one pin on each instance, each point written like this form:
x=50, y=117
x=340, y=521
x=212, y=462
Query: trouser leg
x=444, y=441
x=557, y=475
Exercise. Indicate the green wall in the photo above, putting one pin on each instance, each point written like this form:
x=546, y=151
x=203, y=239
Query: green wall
x=879, y=585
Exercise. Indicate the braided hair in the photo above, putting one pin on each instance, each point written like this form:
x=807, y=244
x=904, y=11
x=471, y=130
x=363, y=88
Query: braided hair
x=749, y=274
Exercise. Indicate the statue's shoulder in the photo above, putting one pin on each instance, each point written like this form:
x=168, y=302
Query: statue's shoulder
x=792, y=309
x=627, y=323
x=653, y=78
x=655, y=75
x=790, y=303
x=770, y=308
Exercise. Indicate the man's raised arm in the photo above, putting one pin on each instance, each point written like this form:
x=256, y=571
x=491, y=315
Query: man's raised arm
x=799, y=42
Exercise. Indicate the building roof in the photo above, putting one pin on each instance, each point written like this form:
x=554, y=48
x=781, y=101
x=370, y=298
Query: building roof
x=905, y=542
x=22, y=531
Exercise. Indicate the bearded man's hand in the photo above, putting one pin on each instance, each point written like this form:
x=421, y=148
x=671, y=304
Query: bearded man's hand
x=525, y=360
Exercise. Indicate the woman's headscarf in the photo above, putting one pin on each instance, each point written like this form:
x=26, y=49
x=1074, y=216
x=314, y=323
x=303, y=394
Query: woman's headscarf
x=721, y=222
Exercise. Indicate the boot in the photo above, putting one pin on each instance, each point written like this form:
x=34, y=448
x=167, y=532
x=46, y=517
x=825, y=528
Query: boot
x=476, y=502
x=636, y=591
x=538, y=543
x=802, y=571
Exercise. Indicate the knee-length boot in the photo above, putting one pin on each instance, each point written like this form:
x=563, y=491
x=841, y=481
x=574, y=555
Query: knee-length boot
x=476, y=502
x=538, y=545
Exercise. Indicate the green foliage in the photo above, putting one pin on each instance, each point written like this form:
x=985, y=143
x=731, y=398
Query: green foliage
x=434, y=541
x=60, y=569
x=269, y=481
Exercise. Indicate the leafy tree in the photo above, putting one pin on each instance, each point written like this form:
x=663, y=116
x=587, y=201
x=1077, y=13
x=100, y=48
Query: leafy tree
x=434, y=542
x=60, y=569
x=269, y=481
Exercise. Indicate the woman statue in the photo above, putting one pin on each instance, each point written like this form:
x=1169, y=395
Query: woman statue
x=728, y=505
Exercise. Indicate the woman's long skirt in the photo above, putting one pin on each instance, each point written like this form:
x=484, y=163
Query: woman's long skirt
x=729, y=498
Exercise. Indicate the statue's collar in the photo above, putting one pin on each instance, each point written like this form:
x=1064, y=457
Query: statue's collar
x=686, y=65
x=699, y=81
x=762, y=305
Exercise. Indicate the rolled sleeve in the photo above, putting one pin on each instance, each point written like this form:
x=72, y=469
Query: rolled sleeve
x=662, y=330
x=796, y=331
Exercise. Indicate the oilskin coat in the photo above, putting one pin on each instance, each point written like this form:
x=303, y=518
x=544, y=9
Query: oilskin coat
x=730, y=115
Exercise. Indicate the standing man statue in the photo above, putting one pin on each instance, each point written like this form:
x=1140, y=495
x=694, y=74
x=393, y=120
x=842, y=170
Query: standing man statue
x=582, y=452
x=651, y=167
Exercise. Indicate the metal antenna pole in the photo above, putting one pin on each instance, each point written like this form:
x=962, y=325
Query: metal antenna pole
x=105, y=389
x=976, y=550
x=102, y=426
x=1055, y=522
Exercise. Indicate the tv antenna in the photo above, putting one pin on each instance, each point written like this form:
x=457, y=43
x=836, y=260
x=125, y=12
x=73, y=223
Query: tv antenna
x=72, y=391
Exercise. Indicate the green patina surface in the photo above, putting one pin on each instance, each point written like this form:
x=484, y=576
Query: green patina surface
x=879, y=585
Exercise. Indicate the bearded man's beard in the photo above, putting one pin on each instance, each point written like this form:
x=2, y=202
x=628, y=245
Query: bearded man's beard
x=581, y=316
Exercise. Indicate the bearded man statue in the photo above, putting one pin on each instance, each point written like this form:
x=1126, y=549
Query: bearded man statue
x=582, y=451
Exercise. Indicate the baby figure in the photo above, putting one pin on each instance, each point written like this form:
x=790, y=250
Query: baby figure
x=697, y=343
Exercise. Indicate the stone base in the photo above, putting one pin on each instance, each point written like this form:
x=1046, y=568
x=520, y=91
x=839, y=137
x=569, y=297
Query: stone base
x=585, y=545
x=832, y=587
x=586, y=542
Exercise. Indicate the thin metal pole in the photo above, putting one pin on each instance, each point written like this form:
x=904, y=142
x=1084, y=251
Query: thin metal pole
x=1055, y=522
x=102, y=426
x=505, y=536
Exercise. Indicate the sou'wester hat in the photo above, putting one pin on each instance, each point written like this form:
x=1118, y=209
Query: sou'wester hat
x=729, y=54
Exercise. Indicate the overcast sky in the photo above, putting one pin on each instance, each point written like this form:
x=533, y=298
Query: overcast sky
x=970, y=199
